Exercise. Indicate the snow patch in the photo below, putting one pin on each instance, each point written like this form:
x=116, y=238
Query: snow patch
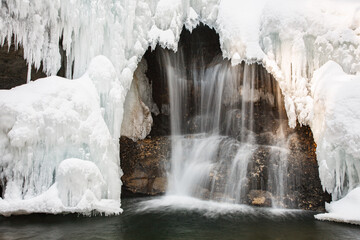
x=345, y=210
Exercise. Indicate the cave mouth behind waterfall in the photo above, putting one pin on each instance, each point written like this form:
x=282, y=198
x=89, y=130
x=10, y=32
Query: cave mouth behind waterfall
x=226, y=131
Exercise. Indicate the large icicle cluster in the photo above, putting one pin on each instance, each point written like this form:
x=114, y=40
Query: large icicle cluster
x=291, y=38
x=44, y=125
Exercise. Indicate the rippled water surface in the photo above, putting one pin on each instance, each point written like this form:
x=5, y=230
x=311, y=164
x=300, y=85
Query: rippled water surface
x=178, y=218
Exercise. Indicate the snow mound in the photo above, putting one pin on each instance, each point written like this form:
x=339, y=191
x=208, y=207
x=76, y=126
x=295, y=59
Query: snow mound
x=345, y=210
x=75, y=177
x=44, y=122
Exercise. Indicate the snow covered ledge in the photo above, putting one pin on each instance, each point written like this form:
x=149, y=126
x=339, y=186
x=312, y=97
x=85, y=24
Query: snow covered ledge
x=57, y=153
x=336, y=129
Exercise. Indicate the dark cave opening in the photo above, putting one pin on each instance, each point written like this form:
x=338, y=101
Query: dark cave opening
x=14, y=68
x=2, y=188
x=202, y=44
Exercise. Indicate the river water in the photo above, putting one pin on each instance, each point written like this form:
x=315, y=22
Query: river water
x=177, y=218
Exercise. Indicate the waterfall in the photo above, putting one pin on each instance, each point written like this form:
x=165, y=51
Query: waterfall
x=225, y=120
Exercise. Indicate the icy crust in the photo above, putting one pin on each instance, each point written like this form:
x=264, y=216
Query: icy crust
x=345, y=210
x=336, y=128
x=45, y=122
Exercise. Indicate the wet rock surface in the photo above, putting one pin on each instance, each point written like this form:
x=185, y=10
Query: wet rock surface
x=260, y=198
x=144, y=165
x=146, y=162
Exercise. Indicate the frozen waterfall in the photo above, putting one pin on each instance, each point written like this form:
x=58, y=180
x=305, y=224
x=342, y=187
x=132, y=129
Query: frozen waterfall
x=291, y=38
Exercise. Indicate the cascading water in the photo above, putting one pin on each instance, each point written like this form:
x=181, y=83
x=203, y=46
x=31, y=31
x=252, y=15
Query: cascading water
x=217, y=114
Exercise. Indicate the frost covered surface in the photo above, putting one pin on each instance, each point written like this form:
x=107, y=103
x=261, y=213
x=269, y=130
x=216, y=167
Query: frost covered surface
x=345, y=210
x=44, y=125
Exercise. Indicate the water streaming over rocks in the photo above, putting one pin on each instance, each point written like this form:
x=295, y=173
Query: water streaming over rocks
x=226, y=120
x=230, y=140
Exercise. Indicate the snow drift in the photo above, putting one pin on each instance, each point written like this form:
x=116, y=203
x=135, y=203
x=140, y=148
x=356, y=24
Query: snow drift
x=291, y=38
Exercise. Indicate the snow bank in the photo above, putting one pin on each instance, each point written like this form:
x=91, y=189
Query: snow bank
x=345, y=210
x=44, y=122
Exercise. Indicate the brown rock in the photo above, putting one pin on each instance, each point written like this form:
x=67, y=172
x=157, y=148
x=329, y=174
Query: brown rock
x=144, y=165
x=260, y=198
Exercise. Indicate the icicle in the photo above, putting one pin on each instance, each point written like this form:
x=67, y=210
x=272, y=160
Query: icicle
x=28, y=77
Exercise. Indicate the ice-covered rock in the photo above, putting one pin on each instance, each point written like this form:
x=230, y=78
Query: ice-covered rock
x=336, y=128
x=44, y=122
x=139, y=105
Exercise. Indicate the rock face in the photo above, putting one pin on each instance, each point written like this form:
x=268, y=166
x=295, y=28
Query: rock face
x=303, y=182
x=144, y=164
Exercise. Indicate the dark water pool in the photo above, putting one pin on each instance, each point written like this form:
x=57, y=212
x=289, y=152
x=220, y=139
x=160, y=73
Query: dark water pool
x=162, y=222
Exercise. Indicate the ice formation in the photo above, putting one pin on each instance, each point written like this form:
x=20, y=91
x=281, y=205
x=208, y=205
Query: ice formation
x=44, y=126
x=335, y=127
x=336, y=131
x=291, y=38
